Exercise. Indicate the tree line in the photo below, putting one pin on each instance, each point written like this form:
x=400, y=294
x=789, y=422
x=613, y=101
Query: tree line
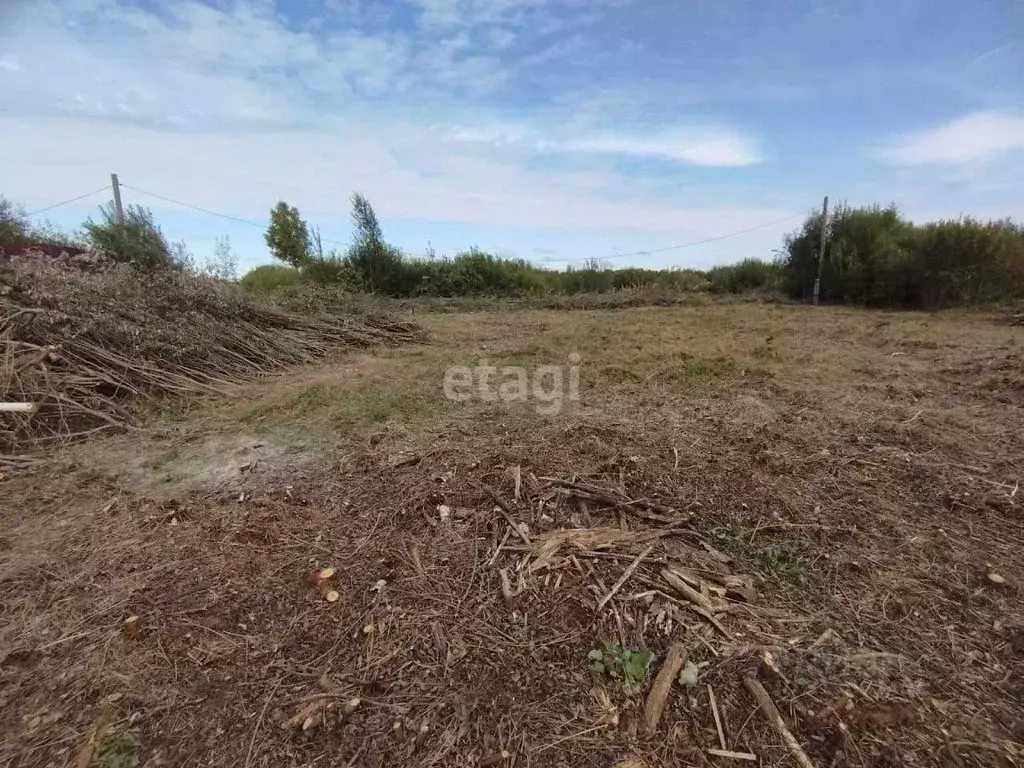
x=874, y=257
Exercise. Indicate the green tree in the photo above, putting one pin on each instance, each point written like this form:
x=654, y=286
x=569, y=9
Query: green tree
x=376, y=264
x=139, y=241
x=287, y=236
x=14, y=224
x=368, y=231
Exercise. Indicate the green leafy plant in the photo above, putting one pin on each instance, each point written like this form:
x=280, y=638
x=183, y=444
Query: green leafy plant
x=287, y=236
x=622, y=665
x=875, y=256
x=138, y=241
x=14, y=224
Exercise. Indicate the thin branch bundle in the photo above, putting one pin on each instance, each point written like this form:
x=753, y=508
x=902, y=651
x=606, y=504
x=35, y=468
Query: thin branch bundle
x=79, y=345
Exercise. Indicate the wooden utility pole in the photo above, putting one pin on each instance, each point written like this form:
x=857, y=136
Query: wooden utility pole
x=821, y=249
x=117, y=198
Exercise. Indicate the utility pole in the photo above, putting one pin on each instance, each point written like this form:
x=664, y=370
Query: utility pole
x=117, y=199
x=821, y=248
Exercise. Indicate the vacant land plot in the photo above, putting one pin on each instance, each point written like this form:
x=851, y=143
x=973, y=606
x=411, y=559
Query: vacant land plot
x=818, y=505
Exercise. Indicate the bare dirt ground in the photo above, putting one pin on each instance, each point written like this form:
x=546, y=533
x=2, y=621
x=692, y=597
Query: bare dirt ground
x=820, y=503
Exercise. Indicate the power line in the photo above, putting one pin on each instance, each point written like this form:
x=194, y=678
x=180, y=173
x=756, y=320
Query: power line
x=214, y=213
x=195, y=207
x=648, y=252
x=651, y=252
x=72, y=200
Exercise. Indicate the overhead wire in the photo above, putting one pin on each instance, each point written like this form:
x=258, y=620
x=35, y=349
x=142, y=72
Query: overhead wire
x=705, y=241
x=65, y=202
x=251, y=223
x=645, y=252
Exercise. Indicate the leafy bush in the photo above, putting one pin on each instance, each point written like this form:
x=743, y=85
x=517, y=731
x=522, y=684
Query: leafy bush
x=330, y=270
x=475, y=273
x=671, y=279
x=139, y=241
x=876, y=257
x=271, y=277
x=747, y=275
x=14, y=224
x=965, y=261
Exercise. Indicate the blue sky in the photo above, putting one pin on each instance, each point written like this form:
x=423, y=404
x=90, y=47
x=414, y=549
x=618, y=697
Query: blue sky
x=552, y=130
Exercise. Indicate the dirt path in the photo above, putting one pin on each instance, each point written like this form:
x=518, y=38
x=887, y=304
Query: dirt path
x=839, y=486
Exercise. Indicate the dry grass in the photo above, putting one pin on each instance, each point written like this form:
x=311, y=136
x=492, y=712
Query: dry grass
x=861, y=468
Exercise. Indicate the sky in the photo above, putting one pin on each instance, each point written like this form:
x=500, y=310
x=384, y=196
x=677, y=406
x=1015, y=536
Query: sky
x=549, y=130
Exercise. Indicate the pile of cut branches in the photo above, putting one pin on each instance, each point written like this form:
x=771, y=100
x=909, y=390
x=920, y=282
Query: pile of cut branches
x=74, y=347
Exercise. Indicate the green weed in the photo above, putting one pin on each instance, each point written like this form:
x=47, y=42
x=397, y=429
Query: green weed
x=782, y=563
x=623, y=665
x=119, y=751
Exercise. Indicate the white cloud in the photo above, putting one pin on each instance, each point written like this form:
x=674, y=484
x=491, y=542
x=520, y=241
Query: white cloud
x=227, y=108
x=719, y=147
x=975, y=137
x=715, y=147
x=243, y=174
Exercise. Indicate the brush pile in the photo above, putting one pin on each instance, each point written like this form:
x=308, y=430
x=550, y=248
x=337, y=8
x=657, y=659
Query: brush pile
x=74, y=346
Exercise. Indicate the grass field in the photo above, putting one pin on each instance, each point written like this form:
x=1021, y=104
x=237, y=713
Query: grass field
x=838, y=487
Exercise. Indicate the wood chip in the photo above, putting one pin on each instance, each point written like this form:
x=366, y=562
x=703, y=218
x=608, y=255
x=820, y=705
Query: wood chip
x=658, y=696
x=684, y=589
x=132, y=627
x=748, y=756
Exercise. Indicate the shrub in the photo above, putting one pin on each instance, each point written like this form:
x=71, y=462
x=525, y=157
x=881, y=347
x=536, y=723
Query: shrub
x=270, y=277
x=876, y=257
x=476, y=273
x=965, y=261
x=14, y=224
x=747, y=275
x=138, y=241
x=331, y=269
x=672, y=279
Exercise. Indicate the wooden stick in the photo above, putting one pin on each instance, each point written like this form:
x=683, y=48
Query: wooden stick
x=19, y=407
x=656, y=699
x=718, y=719
x=507, y=512
x=686, y=590
x=624, y=578
x=749, y=756
x=775, y=720
x=710, y=619
x=667, y=514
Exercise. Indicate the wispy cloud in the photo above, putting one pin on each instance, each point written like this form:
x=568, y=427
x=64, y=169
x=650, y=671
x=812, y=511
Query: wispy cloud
x=570, y=118
x=713, y=147
x=979, y=136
